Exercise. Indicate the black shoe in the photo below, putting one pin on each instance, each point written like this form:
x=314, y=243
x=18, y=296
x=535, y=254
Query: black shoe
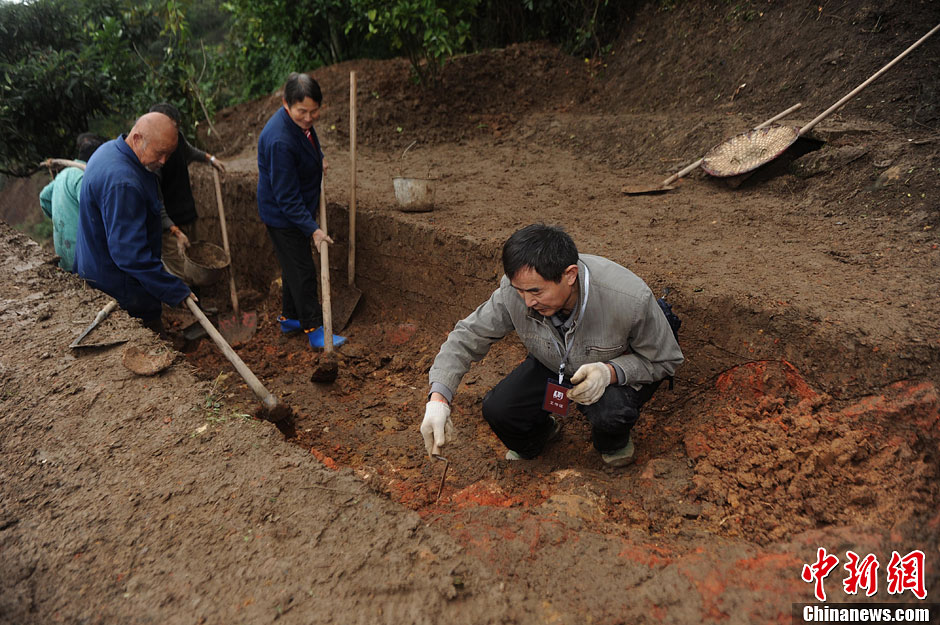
x=555, y=433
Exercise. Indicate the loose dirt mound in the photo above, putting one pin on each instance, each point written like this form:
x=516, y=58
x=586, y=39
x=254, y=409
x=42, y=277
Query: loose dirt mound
x=479, y=95
x=776, y=456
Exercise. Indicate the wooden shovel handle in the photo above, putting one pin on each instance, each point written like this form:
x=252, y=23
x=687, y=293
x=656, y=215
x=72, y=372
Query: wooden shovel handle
x=62, y=162
x=231, y=261
x=857, y=89
x=266, y=398
x=325, y=278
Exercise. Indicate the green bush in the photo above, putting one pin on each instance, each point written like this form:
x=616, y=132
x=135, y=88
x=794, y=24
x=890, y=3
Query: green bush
x=427, y=32
x=583, y=27
x=67, y=64
x=70, y=65
x=272, y=38
x=42, y=231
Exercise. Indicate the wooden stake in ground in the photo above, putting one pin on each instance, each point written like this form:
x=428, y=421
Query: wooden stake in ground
x=345, y=298
x=239, y=327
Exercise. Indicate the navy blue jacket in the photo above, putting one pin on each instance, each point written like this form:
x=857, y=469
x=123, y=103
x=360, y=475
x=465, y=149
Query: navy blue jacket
x=290, y=168
x=119, y=233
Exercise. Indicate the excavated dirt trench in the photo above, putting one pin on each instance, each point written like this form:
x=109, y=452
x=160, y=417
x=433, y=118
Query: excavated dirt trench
x=806, y=415
x=779, y=430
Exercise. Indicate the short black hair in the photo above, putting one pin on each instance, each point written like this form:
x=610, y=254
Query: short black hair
x=167, y=109
x=300, y=87
x=86, y=144
x=549, y=250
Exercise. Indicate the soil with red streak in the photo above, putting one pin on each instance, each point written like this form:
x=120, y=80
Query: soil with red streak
x=807, y=412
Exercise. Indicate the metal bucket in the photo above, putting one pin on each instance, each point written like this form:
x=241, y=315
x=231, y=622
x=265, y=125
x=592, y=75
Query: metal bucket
x=414, y=195
x=204, y=263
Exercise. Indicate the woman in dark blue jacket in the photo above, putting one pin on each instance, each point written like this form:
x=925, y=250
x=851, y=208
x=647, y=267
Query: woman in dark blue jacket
x=290, y=169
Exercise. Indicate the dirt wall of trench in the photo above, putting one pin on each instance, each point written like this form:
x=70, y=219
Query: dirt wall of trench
x=409, y=268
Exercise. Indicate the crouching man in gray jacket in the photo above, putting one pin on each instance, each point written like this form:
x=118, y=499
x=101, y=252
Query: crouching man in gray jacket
x=581, y=316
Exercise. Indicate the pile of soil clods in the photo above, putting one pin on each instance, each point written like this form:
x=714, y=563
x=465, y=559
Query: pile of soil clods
x=778, y=458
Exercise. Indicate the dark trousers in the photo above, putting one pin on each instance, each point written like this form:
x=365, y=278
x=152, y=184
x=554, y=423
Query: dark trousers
x=299, y=277
x=155, y=324
x=513, y=408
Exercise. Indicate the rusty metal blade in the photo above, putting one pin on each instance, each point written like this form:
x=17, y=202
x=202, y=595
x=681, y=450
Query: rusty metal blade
x=238, y=329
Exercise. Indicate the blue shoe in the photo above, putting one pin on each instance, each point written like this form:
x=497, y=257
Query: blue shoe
x=316, y=338
x=288, y=325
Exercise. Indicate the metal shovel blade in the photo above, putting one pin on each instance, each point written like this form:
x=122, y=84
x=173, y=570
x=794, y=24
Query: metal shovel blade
x=343, y=304
x=194, y=332
x=343, y=297
x=237, y=329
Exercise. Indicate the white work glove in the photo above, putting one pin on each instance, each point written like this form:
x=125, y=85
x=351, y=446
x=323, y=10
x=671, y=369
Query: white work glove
x=182, y=243
x=437, y=428
x=590, y=380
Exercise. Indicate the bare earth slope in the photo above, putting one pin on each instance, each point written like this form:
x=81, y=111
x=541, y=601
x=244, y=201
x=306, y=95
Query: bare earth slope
x=129, y=499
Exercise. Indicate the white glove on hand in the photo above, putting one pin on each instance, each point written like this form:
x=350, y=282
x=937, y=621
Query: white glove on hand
x=437, y=428
x=590, y=381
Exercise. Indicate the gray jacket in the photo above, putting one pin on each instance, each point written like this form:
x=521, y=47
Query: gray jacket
x=621, y=324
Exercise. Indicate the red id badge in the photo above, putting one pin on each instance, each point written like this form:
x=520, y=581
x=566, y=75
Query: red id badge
x=556, y=398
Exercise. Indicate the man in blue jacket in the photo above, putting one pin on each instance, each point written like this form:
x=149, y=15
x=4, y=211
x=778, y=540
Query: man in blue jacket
x=290, y=169
x=120, y=231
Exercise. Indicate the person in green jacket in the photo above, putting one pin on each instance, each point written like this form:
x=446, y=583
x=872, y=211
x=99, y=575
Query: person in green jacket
x=59, y=201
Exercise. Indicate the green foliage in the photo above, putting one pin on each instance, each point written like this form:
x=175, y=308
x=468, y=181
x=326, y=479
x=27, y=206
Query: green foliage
x=177, y=69
x=264, y=50
x=583, y=27
x=742, y=11
x=42, y=231
x=272, y=38
x=67, y=66
x=427, y=32
x=41, y=25
x=67, y=61
x=47, y=91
